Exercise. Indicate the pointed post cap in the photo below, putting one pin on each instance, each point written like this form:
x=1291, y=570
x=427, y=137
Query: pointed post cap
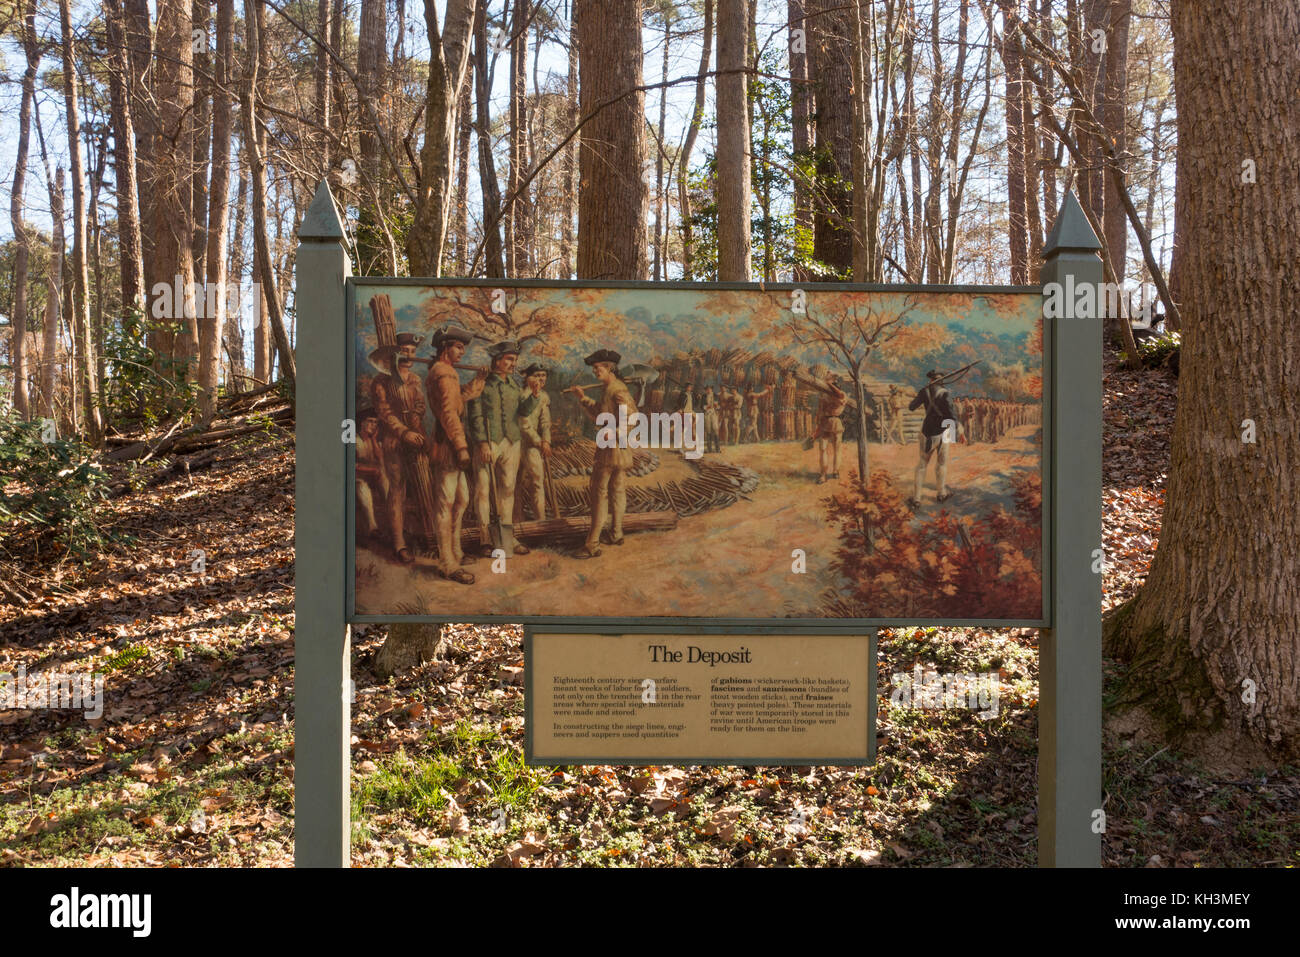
x=322, y=222
x=1071, y=230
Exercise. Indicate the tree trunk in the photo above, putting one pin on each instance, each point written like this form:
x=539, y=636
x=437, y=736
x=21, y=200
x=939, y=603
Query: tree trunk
x=801, y=126
x=569, y=173
x=87, y=370
x=1047, y=147
x=17, y=221
x=692, y=131
x=171, y=186
x=212, y=329
x=1018, y=216
x=613, y=202
x=203, y=93
x=734, y=239
x=1092, y=56
x=324, y=90
x=372, y=61
x=1113, y=115
x=125, y=172
x=255, y=27
x=464, y=126
x=660, y=267
x=236, y=273
x=933, y=218
x=137, y=25
x=1212, y=637
x=830, y=63
x=517, y=211
x=494, y=263
x=53, y=299
x=448, y=61
x=1029, y=138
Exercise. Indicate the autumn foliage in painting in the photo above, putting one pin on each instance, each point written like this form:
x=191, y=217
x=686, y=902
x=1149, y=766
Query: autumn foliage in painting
x=902, y=565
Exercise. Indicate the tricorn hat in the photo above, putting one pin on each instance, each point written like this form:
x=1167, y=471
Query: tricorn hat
x=603, y=355
x=450, y=333
x=381, y=356
x=504, y=348
x=535, y=367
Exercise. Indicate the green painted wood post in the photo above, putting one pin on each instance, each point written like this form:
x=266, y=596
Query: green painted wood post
x=322, y=640
x=1069, y=719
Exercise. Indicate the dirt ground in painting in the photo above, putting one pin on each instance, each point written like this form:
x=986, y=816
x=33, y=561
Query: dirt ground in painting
x=734, y=562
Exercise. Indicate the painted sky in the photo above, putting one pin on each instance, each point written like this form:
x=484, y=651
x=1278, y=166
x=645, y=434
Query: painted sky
x=648, y=323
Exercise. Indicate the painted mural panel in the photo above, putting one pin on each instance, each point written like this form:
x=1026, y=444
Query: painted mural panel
x=697, y=453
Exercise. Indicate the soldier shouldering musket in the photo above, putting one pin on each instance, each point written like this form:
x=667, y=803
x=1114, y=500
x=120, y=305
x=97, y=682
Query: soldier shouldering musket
x=449, y=447
x=935, y=436
x=608, y=490
x=893, y=424
x=830, y=430
x=535, y=427
x=398, y=401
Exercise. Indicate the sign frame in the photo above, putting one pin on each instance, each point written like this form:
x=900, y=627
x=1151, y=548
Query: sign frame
x=854, y=625
x=1070, y=813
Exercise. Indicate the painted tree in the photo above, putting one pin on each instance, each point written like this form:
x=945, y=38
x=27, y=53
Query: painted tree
x=1213, y=638
x=852, y=329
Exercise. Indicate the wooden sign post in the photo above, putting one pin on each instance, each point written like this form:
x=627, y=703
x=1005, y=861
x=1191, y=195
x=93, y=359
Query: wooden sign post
x=322, y=639
x=1069, y=653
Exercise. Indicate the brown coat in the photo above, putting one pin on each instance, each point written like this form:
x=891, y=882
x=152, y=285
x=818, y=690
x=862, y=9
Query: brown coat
x=447, y=398
x=615, y=394
x=388, y=401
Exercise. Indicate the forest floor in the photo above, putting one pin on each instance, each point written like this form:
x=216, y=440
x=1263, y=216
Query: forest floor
x=191, y=762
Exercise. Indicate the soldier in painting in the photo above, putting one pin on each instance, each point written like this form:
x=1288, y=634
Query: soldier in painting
x=731, y=405
x=712, y=421
x=966, y=413
x=894, y=415
x=449, y=448
x=830, y=429
x=493, y=420
x=399, y=405
x=686, y=401
x=939, y=415
x=535, y=427
x=752, y=413
x=372, y=480
x=608, y=492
